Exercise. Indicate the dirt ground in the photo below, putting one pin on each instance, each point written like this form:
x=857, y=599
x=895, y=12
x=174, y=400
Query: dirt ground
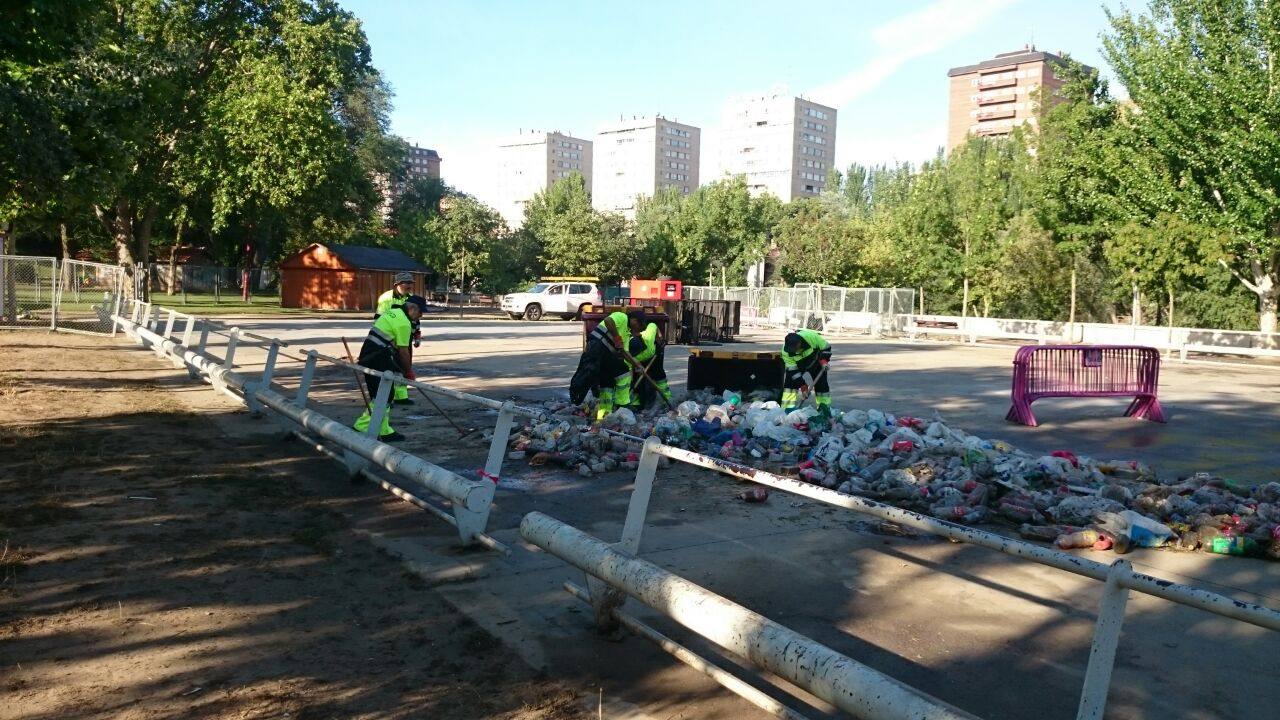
x=153, y=566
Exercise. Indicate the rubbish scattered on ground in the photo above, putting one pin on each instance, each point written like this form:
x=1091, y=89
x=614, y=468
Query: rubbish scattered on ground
x=754, y=495
x=927, y=466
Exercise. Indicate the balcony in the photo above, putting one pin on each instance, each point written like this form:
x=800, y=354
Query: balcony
x=996, y=99
x=990, y=131
x=990, y=83
x=997, y=114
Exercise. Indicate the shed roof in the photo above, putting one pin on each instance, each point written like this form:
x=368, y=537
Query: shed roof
x=374, y=258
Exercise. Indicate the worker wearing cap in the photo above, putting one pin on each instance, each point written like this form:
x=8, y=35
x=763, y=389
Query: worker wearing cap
x=386, y=347
x=400, y=290
x=649, y=349
x=605, y=366
x=805, y=355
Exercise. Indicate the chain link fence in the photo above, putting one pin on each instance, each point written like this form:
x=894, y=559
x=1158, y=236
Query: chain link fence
x=28, y=291
x=89, y=294
x=211, y=283
x=818, y=307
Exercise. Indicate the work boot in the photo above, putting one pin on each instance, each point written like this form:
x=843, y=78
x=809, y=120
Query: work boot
x=393, y=436
x=403, y=401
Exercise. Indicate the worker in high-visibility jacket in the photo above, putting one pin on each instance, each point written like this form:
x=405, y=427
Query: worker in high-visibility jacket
x=401, y=288
x=805, y=355
x=648, y=349
x=605, y=366
x=387, y=347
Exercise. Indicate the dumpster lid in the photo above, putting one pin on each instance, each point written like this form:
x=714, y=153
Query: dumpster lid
x=737, y=354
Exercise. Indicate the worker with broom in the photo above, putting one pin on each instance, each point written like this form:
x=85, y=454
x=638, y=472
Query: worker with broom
x=805, y=355
x=606, y=362
x=649, y=349
x=401, y=289
x=387, y=347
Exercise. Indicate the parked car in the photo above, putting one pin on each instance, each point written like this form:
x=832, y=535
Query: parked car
x=565, y=299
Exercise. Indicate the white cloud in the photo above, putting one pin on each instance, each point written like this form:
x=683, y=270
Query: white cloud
x=905, y=38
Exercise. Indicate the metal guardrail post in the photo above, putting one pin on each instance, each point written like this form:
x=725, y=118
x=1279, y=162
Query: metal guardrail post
x=187, y=329
x=168, y=325
x=228, y=363
x=264, y=381
x=378, y=408
x=1106, y=637
x=638, y=508
x=200, y=348
x=498, y=446
x=304, y=384
x=233, y=339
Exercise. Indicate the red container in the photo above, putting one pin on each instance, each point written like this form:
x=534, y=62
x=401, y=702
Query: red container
x=657, y=289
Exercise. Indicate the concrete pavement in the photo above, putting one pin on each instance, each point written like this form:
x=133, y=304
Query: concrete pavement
x=997, y=636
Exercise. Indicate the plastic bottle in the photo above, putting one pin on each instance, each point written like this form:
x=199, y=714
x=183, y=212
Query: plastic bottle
x=1234, y=545
x=875, y=469
x=1078, y=539
x=754, y=495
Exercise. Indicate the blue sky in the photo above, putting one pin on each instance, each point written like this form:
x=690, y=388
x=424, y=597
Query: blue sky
x=467, y=72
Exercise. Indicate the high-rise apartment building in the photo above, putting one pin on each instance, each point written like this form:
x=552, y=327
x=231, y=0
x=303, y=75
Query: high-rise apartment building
x=419, y=163
x=640, y=157
x=423, y=163
x=996, y=95
x=783, y=144
x=531, y=162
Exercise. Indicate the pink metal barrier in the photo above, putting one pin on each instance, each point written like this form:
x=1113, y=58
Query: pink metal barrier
x=1086, y=371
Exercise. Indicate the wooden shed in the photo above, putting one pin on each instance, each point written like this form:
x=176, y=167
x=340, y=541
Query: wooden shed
x=345, y=277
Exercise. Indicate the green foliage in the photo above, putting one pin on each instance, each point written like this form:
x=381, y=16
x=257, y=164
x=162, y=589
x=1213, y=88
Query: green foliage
x=466, y=231
x=255, y=126
x=1204, y=141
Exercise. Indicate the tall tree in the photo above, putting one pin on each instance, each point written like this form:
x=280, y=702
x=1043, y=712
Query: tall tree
x=468, y=230
x=1206, y=136
x=1072, y=185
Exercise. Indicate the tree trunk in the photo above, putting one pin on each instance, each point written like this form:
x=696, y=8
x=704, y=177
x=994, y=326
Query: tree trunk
x=9, y=313
x=66, y=241
x=1071, y=317
x=1267, y=287
x=1268, y=304
x=964, y=302
x=142, y=231
x=173, y=257
x=120, y=228
x=1135, y=312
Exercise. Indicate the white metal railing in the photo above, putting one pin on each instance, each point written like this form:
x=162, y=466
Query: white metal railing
x=1119, y=578
x=819, y=670
x=878, y=311
x=470, y=500
x=1180, y=340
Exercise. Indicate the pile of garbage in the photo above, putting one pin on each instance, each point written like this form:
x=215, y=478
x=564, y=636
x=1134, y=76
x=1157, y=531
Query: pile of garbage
x=929, y=467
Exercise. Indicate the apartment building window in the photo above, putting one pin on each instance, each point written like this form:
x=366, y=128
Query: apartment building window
x=678, y=132
x=813, y=139
x=679, y=143
x=815, y=126
x=816, y=152
x=809, y=188
x=815, y=113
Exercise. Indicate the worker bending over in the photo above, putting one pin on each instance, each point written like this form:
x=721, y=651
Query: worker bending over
x=648, y=349
x=605, y=365
x=386, y=347
x=805, y=355
x=401, y=288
